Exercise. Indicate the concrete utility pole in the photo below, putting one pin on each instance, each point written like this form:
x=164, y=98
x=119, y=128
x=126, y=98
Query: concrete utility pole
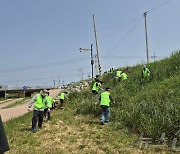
x=99, y=66
x=58, y=82
x=147, y=52
x=54, y=82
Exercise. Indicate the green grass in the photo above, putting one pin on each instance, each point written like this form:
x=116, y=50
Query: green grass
x=17, y=103
x=149, y=106
x=4, y=101
x=67, y=133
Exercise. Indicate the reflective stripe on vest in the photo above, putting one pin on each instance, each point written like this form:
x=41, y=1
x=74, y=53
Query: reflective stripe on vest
x=105, y=100
x=40, y=102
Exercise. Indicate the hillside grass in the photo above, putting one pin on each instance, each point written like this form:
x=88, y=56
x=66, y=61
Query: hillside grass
x=150, y=106
x=66, y=133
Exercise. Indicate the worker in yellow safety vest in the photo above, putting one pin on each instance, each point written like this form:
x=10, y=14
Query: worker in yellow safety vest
x=105, y=100
x=62, y=99
x=40, y=103
x=47, y=110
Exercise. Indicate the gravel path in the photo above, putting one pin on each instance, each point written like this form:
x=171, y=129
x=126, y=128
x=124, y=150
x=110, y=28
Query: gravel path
x=19, y=110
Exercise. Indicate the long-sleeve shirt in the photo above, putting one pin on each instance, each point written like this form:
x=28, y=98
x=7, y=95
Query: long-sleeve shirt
x=32, y=102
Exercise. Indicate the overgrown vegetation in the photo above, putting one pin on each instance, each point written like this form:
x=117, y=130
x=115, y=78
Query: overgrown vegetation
x=148, y=106
x=67, y=133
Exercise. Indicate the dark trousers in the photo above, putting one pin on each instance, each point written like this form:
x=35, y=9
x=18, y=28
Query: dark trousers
x=62, y=103
x=47, y=113
x=37, y=115
x=94, y=92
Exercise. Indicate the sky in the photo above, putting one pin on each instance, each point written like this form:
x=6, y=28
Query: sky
x=40, y=39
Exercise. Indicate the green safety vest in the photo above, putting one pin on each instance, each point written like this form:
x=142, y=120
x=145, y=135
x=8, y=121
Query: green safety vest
x=40, y=102
x=146, y=72
x=111, y=70
x=105, y=100
x=62, y=95
x=49, y=101
x=118, y=73
x=123, y=76
x=95, y=87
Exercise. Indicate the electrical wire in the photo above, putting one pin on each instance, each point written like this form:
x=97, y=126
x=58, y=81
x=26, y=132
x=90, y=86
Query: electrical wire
x=120, y=28
x=127, y=34
x=36, y=79
x=158, y=7
x=43, y=65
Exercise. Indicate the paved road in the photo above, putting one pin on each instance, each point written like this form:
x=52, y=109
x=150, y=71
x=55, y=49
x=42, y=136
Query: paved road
x=16, y=111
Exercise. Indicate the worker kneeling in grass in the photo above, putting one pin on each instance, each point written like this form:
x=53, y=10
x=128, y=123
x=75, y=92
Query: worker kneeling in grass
x=105, y=100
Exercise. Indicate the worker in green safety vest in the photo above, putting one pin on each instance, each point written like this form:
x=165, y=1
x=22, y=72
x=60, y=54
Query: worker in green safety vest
x=145, y=72
x=105, y=100
x=112, y=72
x=62, y=97
x=40, y=103
x=118, y=74
x=97, y=86
x=123, y=76
x=47, y=110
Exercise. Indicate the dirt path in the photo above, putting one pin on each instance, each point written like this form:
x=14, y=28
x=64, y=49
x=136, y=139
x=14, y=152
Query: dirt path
x=16, y=111
x=5, y=101
x=10, y=102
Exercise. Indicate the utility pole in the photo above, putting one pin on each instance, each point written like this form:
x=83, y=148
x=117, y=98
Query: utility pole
x=5, y=93
x=99, y=66
x=154, y=57
x=54, y=82
x=146, y=37
x=92, y=61
x=58, y=82
x=96, y=64
x=81, y=70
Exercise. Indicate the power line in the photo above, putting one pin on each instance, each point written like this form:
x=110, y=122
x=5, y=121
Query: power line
x=126, y=35
x=121, y=57
x=43, y=65
x=159, y=6
x=124, y=26
x=36, y=79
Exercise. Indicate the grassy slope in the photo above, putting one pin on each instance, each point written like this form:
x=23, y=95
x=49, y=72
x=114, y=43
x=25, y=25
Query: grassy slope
x=70, y=132
x=151, y=107
x=67, y=133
